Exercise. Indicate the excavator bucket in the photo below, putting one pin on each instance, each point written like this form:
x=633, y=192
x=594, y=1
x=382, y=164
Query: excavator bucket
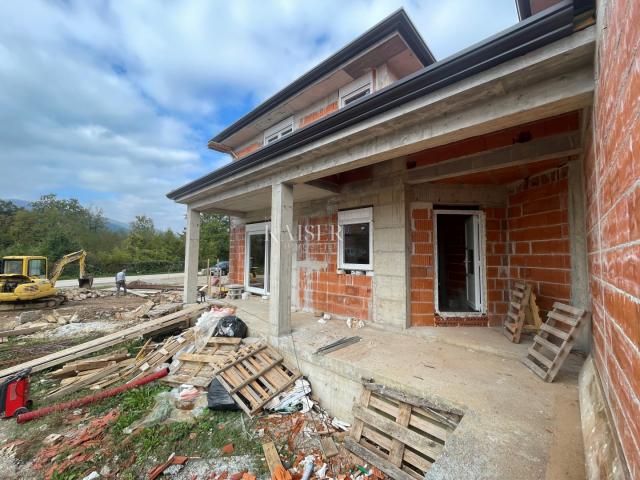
x=86, y=282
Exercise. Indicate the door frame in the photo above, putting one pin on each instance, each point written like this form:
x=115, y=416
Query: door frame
x=263, y=228
x=482, y=258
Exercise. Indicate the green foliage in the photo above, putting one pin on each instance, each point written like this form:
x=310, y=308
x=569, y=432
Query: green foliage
x=54, y=227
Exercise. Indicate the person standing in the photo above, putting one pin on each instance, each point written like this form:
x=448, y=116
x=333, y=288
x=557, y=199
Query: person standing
x=121, y=281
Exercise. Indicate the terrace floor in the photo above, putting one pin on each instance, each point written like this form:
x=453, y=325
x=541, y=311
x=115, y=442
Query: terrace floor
x=515, y=425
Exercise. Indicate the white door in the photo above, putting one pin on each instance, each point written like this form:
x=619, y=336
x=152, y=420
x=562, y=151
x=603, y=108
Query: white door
x=472, y=261
x=257, y=255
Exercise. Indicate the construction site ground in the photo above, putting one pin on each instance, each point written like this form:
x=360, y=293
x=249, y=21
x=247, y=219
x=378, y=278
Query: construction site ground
x=515, y=425
x=92, y=438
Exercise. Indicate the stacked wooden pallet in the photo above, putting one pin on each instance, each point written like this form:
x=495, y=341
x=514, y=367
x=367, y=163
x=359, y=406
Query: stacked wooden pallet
x=254, y=375
x=400, y=434
x=198, y=369
x=553, y=344
x=514, y=322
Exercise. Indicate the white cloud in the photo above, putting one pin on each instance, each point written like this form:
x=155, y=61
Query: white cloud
x=114, y=101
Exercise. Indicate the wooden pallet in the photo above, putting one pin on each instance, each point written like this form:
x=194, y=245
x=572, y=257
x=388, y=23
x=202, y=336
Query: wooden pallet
x=514, y=322
x=254, y=375
x=532, y=320
x=553, y=344
x=399, y=434
x=199, y=368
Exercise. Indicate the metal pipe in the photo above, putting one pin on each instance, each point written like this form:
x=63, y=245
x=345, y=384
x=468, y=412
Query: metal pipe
x=79, y=402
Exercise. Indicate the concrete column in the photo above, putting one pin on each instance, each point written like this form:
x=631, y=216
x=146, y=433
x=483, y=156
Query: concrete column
x=578, y=248
x=192, y=248
x=280, y=266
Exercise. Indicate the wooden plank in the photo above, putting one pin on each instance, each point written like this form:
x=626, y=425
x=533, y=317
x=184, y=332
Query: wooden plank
x=398, y=432
x=370, y=457
x=417, y=461
x=255, y=376
x=271, y=456
x=430, y=426
x=328, y=446
x=547, y=362
x=376, y=438
x=572, y=322
x=397, y=447
x=577, y=312
x=224, y=341
x=84, y=381
x=437, y=410
x=197, y=357
x=554, y=331
x=536, y=369
x=365, y=398
x=77, y=351
x=547, y=344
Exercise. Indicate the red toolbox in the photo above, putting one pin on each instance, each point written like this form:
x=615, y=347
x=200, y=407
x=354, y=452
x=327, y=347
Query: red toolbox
x=14, y=394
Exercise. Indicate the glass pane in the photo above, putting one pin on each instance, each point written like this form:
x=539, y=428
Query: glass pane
x=257, y=245
x=36, y=268
x=356, y=243
x=357, y=96
x=13, y=266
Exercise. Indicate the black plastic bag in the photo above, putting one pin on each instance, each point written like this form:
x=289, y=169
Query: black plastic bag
x=218, y=398
x=230, y=326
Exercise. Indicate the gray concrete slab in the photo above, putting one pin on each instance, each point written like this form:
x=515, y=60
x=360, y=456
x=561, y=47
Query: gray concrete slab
x=515, y=425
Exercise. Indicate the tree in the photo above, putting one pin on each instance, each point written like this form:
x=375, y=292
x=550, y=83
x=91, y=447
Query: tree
x=214, y=237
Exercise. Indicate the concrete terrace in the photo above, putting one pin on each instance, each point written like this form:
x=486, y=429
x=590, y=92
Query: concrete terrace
x=515, y=425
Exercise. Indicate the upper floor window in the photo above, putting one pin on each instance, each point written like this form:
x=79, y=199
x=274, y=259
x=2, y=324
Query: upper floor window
x=278, y=131
x=356, y=90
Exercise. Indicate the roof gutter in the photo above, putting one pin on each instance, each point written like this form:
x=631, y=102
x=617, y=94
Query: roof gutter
x=533, y=33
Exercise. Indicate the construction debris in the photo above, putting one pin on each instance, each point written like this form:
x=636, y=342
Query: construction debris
x=106, y=341
x=338, y=344
x=79, y=294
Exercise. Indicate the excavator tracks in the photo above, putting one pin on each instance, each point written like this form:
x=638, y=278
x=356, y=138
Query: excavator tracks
x=41, y=303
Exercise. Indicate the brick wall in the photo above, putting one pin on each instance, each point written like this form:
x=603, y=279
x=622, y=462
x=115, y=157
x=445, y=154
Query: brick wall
x=497, y=264
x=538, y=232
x=236, y=254
x=320, y=287
x=612, y=171
x=528, y=240
x=243, y=152
x=422, y=301
x=317, y=115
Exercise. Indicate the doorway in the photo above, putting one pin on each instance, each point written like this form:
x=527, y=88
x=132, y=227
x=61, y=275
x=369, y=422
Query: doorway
x=459, y=256
x=258, y=250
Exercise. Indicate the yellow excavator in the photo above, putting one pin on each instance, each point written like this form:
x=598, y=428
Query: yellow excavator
x=25, y=283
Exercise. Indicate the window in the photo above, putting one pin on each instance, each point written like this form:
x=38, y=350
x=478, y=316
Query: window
x=356, y=90
x=355, y=239
x=278, y=131
x=37, y=268
x=13, y=267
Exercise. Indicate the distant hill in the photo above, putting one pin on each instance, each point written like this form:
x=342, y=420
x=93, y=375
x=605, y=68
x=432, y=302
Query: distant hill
x=113, y=225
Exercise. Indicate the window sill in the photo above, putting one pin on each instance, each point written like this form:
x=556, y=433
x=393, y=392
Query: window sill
x=355, y=272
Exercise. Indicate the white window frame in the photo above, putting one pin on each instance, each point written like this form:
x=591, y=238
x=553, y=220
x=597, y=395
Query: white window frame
x=350, y=217
x=355, y=88
x=277, y=131
x=257, y=228
x=481, y=259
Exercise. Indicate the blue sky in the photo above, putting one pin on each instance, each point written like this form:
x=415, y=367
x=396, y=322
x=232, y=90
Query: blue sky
x=113, y=102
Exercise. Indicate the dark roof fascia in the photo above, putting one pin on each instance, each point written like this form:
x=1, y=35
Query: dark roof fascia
x=398, y=21
x=531, y=34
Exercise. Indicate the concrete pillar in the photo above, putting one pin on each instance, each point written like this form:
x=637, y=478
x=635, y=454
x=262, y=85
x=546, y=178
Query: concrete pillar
x=578, y=248
x=192, y=248
x=282, y=230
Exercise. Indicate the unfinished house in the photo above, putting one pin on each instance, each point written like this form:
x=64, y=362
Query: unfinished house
x=406, y=194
